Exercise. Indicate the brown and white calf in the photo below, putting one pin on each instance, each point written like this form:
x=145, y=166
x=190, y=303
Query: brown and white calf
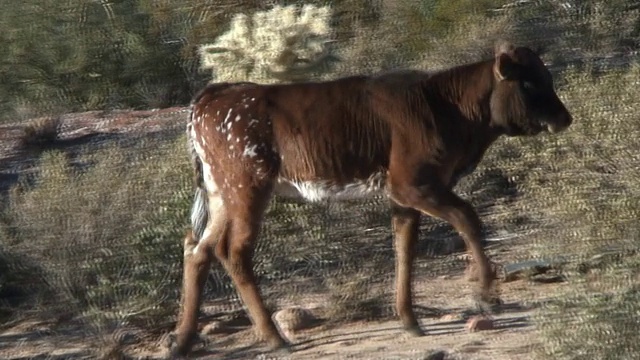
x=410, y=135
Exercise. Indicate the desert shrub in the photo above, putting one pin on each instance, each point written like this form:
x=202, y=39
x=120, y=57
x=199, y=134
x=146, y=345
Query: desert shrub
x=41, y=132
x=282, y=44
x=19, y=280
x=90, y=228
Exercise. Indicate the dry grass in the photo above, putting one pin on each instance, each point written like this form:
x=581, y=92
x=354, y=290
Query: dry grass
x=597, y=317
x=41, y=132
x=354, y=297
x=579, y=190
x=83, y=221
x=100, y=234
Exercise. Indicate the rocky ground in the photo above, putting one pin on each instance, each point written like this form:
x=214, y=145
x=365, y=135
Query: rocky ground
x=442, y=303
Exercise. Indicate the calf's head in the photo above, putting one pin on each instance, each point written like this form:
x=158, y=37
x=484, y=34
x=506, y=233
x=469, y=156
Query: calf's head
x=523, y=101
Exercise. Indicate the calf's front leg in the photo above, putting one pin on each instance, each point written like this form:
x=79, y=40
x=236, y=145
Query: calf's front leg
x=405, y=222
x=436, y=200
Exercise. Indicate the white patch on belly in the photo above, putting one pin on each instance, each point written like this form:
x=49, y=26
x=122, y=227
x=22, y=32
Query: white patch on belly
x=325, y=189
x=250, y=151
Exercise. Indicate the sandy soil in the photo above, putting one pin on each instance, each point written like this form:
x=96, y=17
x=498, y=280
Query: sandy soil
x=513, y=336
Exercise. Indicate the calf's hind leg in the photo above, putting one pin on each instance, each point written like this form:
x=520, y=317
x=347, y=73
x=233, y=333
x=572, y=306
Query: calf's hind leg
x=235, y=252
x=197, y=263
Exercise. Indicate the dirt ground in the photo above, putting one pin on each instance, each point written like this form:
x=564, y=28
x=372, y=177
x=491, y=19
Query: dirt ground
x=512, y=337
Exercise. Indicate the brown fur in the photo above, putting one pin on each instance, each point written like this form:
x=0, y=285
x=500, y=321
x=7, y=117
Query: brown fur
x=415, y=132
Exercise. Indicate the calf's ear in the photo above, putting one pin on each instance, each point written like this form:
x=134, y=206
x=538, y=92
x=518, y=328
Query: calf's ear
x=505, y=68
x=503, y=47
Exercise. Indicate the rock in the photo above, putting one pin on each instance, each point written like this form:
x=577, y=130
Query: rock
x=293, y=319
x=214, y=327
x=601, y=260
x=471, y=272
x=525, y=269
x=435, y=355
x=452, y=317
x=479, y=323
x=126, y=338
x=547, y=278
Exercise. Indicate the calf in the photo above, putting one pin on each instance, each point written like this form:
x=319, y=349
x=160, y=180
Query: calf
x=409, y=135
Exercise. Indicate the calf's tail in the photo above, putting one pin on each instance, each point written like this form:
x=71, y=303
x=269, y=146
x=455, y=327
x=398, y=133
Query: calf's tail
x=200, y=207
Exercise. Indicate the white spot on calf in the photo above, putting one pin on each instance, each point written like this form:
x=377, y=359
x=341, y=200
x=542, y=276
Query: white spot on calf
x=253, y=121
x=250, y=151
x=228, y=115
x=209, y=182
x=237, y=117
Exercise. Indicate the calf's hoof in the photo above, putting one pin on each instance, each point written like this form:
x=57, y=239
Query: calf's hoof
x=488, y=304
x=279, y=346
x=181, y=344
x=414, y=330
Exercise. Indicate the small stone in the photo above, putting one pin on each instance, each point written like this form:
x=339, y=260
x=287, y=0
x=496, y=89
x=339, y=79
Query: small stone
x=435, y=355
x=471, y=272
x=547, y=278
x=293, y=319
x=123, y=337
x=479, y=323
x=214, y=327
x=452, y=317
x=525, y=269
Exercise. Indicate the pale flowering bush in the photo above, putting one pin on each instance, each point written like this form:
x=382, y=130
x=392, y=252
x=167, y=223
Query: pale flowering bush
x=280, y=44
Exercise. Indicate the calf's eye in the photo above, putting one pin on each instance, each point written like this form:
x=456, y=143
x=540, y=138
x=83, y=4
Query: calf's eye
x=528, y=85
